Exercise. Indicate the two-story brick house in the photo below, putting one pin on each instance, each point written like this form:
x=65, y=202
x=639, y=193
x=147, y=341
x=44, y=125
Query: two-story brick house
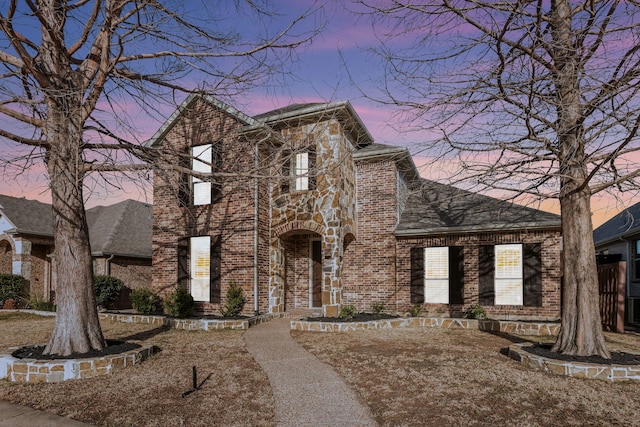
x=303, y=210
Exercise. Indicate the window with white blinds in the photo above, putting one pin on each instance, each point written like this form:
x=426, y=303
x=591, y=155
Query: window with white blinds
x=436, y=275
x=301, y=171
x=508, y=274
x=200, y=268
x=201, y=163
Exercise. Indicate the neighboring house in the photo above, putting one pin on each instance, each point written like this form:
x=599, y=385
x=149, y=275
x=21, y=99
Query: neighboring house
x=120, y=238
x=303, y=210
x=619, y=240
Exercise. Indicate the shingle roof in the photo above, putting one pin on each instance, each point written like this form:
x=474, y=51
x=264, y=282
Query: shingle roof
x=442, y=209
x=122, y=229
x=28, y=216
x=625, y=223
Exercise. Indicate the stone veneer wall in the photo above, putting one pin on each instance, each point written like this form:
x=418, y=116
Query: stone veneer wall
x=231, y=219
x=370, y=262
x=328, y=211
x=551, y=273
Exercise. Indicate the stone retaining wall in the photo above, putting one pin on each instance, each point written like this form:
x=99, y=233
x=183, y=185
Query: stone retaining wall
x=509, y=327
x=189, y=324
x=574, y=369
x=51, y=371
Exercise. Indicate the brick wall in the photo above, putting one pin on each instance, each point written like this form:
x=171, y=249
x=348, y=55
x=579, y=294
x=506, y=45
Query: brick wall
x=370, y=261
x=231, y=219
x=551, y=273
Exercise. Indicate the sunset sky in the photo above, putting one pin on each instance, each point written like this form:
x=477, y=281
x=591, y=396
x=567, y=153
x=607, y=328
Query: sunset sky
x=321, y=71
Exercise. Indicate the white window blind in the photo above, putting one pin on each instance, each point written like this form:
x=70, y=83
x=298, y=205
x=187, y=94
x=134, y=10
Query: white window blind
x=508, y=275
x=201, y=163
x=436, y=275
x=200, y=268
x=301, y=167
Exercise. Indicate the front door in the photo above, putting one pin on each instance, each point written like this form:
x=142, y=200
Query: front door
x=316, y=273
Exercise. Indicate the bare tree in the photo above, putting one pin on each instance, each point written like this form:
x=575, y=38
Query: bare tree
x=69, y=68
x=536, y=98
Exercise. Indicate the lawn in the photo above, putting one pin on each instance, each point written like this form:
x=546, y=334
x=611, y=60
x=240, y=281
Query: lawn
x=408, y=377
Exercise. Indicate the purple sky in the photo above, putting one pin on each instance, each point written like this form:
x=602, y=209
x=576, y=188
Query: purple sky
x=323, y=71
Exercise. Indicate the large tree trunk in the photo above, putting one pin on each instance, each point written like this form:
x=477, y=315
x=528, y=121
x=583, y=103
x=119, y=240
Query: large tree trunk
x=77, y=327
x=581, y=332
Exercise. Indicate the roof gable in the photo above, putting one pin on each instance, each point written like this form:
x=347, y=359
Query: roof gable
x=441, y=209
x=27, y=216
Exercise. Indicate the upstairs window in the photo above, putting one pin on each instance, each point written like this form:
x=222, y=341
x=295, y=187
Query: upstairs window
x=299, y=170
x=205, y=159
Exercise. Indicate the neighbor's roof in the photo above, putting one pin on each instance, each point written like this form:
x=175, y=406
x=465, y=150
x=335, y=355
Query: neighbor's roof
x=123, y=229
x=29, y=217
x=624, y=224
x=443, y=209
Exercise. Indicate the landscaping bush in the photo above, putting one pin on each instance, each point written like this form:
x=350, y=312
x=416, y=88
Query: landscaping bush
x=235, y=301
x=415, y=310
x=107, y=289
x=476, y=311
x=377, y=307
x=347, y=312
x=179, y=303
x=41, y=305
x=143, y=300
x=12, y=287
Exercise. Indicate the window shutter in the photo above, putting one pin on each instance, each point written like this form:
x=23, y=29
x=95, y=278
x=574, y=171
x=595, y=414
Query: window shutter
x=532, y=275
x=184, y=183
x=183, y=265
x=216, y=260
x=286, y=171
x=312, y=167
x=216, y=162
x=417, y=275
x=486, y=275
x=456, y=275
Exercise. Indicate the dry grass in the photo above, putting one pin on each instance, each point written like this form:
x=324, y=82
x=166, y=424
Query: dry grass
x=435, y=377
x=408, y=377
x=236, y=393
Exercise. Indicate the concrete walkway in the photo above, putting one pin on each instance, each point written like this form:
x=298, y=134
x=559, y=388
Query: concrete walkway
x=307, y=392
x=12, y=415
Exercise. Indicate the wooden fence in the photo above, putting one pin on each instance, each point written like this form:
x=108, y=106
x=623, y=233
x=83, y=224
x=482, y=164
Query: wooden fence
x=611, y=280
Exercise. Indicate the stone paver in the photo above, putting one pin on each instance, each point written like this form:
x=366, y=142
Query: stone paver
x=307, y=392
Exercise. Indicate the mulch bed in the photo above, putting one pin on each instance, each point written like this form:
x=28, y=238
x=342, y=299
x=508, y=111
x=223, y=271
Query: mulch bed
x=113, y=347
x=617, y=357
x=360, y=317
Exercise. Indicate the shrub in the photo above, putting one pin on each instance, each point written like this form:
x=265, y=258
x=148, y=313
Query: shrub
x=347, y=312
x=143, y=300
x=415, y=310
x=475, y=311
x=12, y=287
x=235, y=301
x=377, y=308
x=41, y=305
x=179, y=303
x=107, y=289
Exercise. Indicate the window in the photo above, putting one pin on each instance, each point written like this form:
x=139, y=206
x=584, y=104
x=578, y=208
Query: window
x=636, y=260
x=437, y=275
x=508, y=275
x=199, y=267
x=298, y=170
x=205, y=159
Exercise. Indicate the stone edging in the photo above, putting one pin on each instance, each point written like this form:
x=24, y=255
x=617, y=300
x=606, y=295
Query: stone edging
x=52, y=371
x=189, y=324
x=504, y=326
x=573, y=369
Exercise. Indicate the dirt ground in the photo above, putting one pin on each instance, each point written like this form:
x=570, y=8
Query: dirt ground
x=408, y=377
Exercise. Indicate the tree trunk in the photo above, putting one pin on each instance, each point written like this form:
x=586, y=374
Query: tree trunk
x=581, y=332
x=77, y=327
